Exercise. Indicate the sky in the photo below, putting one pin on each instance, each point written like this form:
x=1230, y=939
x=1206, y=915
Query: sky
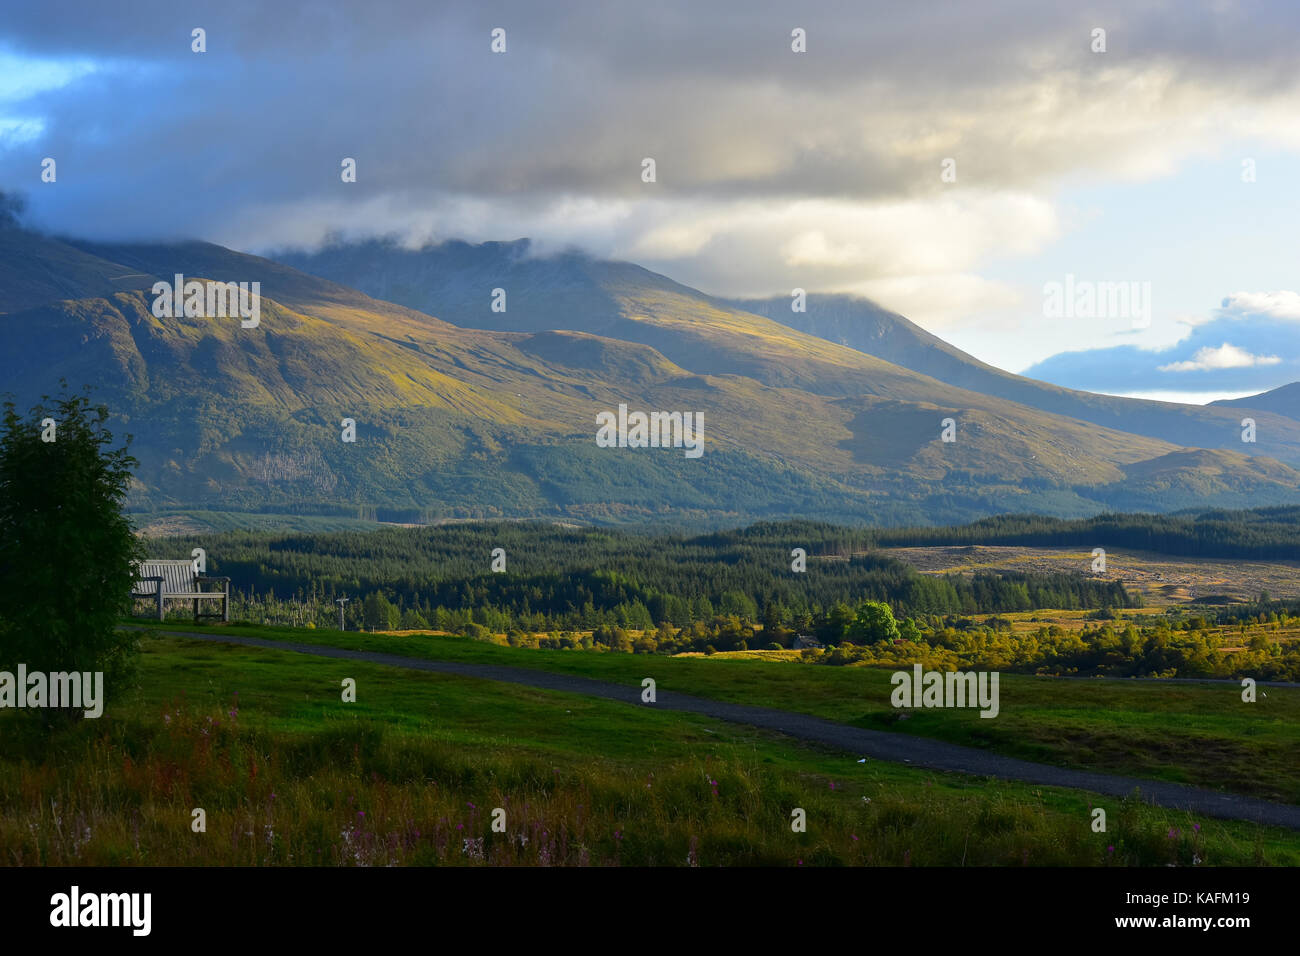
x=951, y=161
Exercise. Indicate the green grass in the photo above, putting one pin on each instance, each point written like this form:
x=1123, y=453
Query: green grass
x=1199, y=734
x=409, y=774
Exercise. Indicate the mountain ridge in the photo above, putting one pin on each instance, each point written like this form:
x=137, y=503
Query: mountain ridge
x=897, y=339
x=472, y=421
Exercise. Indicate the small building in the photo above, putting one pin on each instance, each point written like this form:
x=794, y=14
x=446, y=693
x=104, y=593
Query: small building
x=802, y=641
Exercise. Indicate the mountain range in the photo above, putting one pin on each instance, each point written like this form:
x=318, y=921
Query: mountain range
x=474, y=375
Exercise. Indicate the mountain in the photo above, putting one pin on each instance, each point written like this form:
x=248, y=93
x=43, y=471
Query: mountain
x=454, y=280
x=861, y=324
x=1284, y=400
x=465, y=412
x=35, y=269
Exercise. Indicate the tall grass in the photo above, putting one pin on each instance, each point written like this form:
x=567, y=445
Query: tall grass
x=121, y=791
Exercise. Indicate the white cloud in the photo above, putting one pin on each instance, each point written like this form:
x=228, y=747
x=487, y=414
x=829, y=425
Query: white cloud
x=948, y=301
x=1283, y=304
x=1225, y=356
x=774, y=170
x=918, y=256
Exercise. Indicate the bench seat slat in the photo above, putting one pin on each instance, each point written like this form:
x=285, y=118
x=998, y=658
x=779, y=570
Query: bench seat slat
x=178, y=579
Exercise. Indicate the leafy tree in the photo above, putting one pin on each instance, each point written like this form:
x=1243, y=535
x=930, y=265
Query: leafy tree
x=67, y=552
x=378, y=613
x=874, y=623
x=615, y=638
x=836, y=626
x=413, y=621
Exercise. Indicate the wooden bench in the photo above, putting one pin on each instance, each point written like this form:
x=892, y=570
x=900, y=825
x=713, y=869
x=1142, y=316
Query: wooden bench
x=178, y=579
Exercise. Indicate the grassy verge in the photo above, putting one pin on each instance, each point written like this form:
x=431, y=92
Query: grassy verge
x=411, y=773
x=1199, y=734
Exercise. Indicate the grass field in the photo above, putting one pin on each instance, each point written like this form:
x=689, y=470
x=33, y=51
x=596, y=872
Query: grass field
x=1199, y=734
x=410, y=774
x=1161, y=579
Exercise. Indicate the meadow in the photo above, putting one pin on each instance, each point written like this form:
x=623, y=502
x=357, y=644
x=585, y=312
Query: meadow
x=412, y=771
x=1201, y=734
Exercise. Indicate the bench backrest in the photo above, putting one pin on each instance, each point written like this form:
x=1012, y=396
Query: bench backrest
x=178, y=577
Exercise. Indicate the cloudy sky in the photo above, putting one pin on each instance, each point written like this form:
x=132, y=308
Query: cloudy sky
x=1169, y=160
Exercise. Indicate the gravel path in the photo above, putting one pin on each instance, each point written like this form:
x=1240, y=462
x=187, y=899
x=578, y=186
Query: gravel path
x=873, y=744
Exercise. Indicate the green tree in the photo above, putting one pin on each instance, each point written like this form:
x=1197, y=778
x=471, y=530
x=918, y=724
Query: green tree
x=874, y=623
x=839, y=620
x=412, y=620
x=67, y=552
x=378, y=613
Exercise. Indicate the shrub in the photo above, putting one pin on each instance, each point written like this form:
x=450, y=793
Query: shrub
x=67, y=552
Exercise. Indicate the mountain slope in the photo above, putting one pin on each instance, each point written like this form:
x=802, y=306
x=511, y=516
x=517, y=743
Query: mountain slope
x=841, y=346
x=455, y=281
x=35, y=269
x=696, y=333
x=861, y=324
x=1284, y=400
x=480, y=422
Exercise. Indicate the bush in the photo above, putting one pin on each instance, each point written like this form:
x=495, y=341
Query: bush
x=67, y=553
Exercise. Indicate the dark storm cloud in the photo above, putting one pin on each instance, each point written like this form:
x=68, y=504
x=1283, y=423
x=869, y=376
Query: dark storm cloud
x=161, y=141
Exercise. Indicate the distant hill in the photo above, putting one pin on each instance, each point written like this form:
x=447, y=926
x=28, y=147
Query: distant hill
x=463, y=412
x=861, y=324
x=1279, y=401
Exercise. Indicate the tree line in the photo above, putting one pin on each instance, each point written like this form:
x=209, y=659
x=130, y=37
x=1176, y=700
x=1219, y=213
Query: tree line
x=561, y=578
x=1255, y=534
